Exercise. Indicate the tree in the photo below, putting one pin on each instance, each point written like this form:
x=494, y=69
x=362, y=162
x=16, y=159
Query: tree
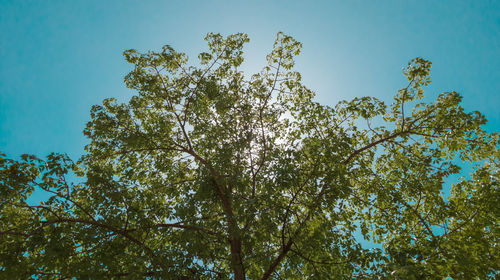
x=208, y=174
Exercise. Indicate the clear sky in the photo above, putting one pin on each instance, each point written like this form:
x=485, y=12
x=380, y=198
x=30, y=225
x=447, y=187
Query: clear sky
x=58, y=58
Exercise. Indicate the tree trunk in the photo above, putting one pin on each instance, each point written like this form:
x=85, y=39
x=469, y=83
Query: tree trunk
x=239, y=272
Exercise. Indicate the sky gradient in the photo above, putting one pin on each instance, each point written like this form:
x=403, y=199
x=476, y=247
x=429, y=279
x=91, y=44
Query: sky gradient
x=58, y=58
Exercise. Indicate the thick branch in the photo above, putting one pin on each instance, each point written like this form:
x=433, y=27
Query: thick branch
x=359, y=151
x=272, y=268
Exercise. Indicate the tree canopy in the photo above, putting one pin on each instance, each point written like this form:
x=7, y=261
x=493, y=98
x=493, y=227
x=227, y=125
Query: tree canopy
x=208, y=173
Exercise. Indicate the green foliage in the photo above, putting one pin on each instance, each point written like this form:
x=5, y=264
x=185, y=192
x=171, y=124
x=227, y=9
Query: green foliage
x=206, y=174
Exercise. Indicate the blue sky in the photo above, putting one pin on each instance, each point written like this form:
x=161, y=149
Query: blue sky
x=58, y=58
